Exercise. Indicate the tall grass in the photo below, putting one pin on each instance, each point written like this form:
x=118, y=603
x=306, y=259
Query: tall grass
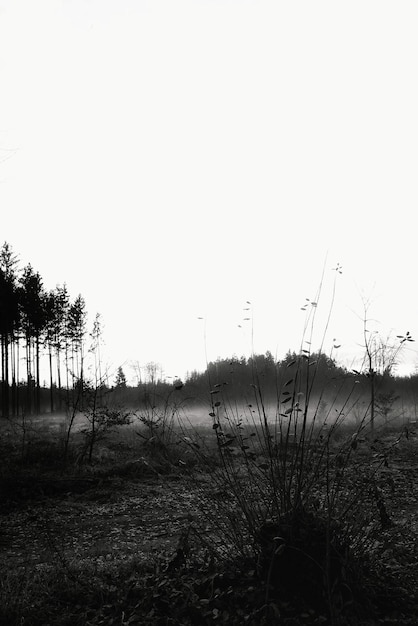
x=284, y=490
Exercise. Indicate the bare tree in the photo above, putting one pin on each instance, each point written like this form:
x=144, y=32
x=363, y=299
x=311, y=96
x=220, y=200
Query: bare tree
x=380, y=359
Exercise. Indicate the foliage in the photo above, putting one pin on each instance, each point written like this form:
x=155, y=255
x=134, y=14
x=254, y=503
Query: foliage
x=158, y=418
x=286, y=471
x=101, y=421
x=32, y=320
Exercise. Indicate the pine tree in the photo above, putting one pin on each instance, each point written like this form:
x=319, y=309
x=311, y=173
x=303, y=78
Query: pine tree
x=120, y=381
x=9, y=323
x=61, y=306
x=32, y=301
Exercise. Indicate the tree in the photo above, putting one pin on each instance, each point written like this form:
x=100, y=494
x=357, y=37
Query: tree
x=380, y=360
x=95, y=349
x=32, y=301
x=43, y=320
x=59, y=321
x=101, y=418
x=152, y=370
x=9, y=323
x=50, y=324
x=120, y=381
x=76, y=330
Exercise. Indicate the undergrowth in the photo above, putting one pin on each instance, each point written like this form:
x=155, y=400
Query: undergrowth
x=293, y=497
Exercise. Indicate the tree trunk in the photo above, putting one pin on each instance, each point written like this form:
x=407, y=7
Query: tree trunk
x=17, y=374
x=28, y=377
x=13, y=376
x=5, y=375
x=59, y=380
x=51, y=391
x=37, y=374
x=372, y=399
x=2, y=376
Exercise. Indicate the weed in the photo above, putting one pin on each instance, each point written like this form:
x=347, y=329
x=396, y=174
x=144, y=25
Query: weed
x=286, y=497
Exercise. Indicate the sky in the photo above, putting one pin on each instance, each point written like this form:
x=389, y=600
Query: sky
x=172, y=161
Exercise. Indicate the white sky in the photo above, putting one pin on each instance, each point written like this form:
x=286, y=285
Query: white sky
x=174, y=159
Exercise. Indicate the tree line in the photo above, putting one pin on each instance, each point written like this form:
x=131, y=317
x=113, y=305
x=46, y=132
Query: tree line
x=241, y=379
x=42, y=334
x=36, y=323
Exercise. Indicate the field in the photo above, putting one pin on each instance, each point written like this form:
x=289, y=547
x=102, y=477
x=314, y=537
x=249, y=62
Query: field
x=159, y=529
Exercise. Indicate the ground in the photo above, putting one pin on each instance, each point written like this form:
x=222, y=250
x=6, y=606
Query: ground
x=110, y=521
x=137, y=549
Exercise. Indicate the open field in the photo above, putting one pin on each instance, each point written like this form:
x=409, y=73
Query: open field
x=154, y=531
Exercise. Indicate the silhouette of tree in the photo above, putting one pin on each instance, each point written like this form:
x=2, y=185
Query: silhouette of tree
x=120, y=381
x=9, y=323
x=32, y=302
x=50, y=325
x=42, y=320
x=61, y=305
x=76, y=330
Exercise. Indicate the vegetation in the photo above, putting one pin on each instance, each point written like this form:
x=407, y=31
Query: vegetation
x=203, y=525
x=258, y=492
x=35, y=322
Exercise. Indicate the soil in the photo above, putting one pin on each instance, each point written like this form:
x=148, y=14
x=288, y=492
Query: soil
x=105, y=522
x=110, y=519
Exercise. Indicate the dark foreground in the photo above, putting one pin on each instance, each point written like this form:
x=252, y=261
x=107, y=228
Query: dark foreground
x=139, y=547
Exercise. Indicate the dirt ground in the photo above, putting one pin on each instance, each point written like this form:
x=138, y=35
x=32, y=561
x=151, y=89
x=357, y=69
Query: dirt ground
x=111, y=521
x=104, y=522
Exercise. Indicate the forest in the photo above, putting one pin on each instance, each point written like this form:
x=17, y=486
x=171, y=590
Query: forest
x=44, y=344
